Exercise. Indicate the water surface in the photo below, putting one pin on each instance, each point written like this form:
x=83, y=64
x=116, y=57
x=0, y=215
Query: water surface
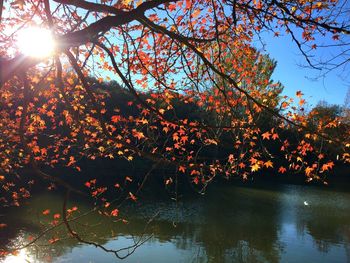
x=282, y=223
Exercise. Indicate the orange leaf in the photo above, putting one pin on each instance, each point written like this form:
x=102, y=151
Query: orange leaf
x=266, y=135
x=308, y=170
x=268, y=164
x=255, y=167
x=182, y=169
x=241, y=165
x=196, y=13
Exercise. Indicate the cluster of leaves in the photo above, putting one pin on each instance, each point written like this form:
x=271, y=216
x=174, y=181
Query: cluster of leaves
x=186, y=52
x=170, y=56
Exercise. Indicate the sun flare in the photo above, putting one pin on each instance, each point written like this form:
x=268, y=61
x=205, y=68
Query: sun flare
x=36, y=42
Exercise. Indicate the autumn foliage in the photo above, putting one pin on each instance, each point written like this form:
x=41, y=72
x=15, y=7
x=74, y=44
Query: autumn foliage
x=169, y=56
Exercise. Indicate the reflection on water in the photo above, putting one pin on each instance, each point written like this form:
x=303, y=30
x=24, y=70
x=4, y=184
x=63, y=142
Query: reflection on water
x=228, y=224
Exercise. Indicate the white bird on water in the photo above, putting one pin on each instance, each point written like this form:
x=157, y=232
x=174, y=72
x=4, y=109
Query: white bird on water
x=306, y=203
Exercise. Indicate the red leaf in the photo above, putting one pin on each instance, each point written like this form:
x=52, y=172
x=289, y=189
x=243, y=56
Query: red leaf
x=188, y=4
x=115, y=212
x=282, y=170
x=132, y=196
x=46, y=212
x=53, y=240
x=116, y=118
x=56, y=216
x=275, y=136
x=128, y=179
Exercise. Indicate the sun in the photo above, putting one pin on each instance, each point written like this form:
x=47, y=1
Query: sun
x=35, y=42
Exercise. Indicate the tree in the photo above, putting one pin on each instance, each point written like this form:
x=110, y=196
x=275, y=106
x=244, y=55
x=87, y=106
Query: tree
x=346, y=110
x=163, y=52
x=332, y=120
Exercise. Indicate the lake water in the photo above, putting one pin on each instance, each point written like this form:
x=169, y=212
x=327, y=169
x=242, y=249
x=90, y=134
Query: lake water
x=284, y=223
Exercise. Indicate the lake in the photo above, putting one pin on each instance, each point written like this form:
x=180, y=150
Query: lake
x=275, y=223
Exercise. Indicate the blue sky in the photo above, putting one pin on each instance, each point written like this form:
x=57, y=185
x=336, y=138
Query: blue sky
x=332, y=88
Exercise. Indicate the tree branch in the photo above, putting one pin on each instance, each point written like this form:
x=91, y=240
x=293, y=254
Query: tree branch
x=10, y=68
